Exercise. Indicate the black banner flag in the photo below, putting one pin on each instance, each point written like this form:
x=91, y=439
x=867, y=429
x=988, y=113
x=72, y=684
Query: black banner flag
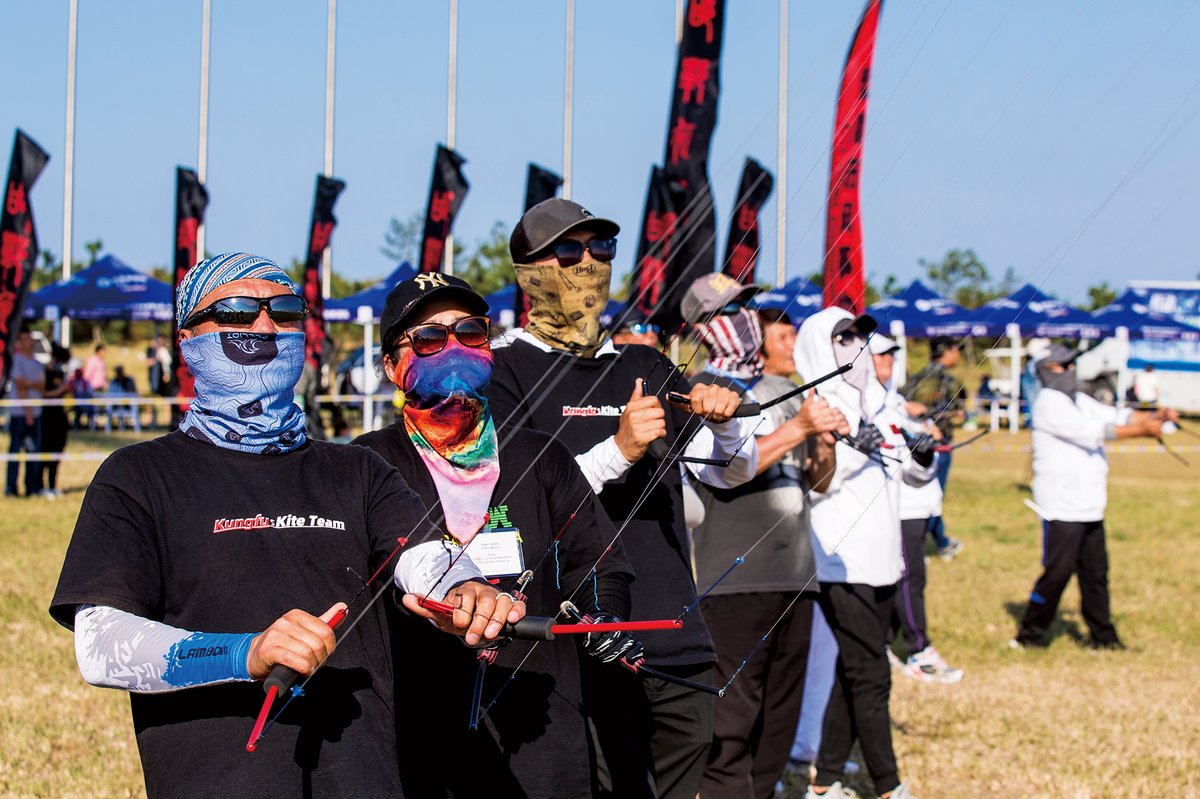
x=18, y=242
x=447, y=191
x=685, y=165
x=190, y=201
x=540, y=185
x=319, y=234
x=741, y=249
x=659, y=227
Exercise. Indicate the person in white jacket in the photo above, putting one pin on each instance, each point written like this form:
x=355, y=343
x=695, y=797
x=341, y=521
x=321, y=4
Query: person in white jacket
x=918, y=504
x=856, y=542
x=1070, y=475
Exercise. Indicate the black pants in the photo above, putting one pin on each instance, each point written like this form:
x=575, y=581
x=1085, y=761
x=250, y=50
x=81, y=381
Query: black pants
x=1070, y=548
x=755, y=722
x=909, y=615
x=858, y=706
x=54, y=439
x=649, y=737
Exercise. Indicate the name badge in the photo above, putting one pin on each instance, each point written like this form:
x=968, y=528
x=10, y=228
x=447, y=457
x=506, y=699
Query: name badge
x=498, y=552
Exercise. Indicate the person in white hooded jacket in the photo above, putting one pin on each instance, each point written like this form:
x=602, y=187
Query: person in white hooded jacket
x=857, y=546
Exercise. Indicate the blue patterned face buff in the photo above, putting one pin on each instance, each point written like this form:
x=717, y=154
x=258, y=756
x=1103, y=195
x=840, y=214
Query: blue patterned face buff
x=205, y=276
x=245, y=383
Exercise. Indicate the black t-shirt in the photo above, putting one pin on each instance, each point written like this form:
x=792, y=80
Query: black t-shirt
x=579, y=402
x=533, y=742
x=208, y=539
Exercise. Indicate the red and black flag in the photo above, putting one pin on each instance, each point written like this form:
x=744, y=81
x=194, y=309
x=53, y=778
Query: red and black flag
x=446, y=194
x=18, y=242
x=320, y=231
x=190, y=202
x=741, y=250
x=655, y=245
x=844, y=279
x=685, y=165
x=540, y=185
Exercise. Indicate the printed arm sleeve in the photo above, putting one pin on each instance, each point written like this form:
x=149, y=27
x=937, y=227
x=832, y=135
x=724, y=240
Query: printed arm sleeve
x=116, y=649
x=587, y=533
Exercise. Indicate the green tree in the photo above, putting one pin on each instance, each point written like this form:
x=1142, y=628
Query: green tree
x=402, y=240
x=891, y=286
x=1099, y=295
x=489, y=265
x=962, y=277
x=93, y=248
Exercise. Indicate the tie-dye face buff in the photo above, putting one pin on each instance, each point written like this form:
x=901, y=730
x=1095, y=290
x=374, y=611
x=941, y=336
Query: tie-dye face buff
x=447, y=418
x=245, y=383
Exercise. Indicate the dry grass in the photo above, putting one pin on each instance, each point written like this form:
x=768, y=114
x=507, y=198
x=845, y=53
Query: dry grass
x=1065, y=722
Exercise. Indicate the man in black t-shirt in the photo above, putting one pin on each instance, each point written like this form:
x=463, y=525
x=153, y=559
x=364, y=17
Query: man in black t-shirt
x=557, y=376
x=236, y=523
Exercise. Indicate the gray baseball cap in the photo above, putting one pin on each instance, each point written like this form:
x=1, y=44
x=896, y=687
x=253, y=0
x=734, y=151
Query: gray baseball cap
x=1060, y=354
x=710, y=293
x=548, y=221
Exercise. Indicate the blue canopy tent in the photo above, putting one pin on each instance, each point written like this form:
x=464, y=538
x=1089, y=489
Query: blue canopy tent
x=345, y=309
x=1130, y=311
x=800, y=298
x=925, y=314
x=1037, y=314
x=108, y=289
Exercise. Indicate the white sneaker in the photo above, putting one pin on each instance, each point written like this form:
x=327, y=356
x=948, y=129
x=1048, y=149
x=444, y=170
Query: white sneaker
x=929, y=666
x=836, y=791
x=901, y=792
x=893, y=660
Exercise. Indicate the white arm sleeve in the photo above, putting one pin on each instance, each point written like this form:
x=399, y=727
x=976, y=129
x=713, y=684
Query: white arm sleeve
x=603, y=463
x=733, y=439
x=433, y=568
x=116, y=649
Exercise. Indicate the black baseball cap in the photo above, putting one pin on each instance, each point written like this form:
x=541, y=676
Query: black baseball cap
x=940, y=345
x=404, y=299
x=864, y=325
x=547, y=222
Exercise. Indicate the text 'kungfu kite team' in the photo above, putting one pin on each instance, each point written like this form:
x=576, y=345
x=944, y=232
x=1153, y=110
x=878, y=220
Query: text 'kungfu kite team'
x=524, y=471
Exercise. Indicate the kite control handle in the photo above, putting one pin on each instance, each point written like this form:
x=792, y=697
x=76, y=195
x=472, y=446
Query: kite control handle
x=282, y=678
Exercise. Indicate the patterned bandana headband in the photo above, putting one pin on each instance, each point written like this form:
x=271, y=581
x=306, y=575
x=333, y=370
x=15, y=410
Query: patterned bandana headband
x=447, y=419
x=207, y=275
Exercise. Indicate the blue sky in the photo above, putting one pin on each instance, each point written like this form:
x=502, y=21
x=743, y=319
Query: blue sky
x=1056, y=138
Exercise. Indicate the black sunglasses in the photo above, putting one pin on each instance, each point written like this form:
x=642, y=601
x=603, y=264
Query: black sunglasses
x=570, y=252
x=642, y=328
x=432, y=338
x=245, y=310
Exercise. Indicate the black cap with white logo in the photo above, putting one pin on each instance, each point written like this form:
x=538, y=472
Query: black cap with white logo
x=403, y=300
x=548, y=221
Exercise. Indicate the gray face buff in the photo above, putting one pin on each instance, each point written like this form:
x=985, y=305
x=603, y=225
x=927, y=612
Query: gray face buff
x=1065, y=382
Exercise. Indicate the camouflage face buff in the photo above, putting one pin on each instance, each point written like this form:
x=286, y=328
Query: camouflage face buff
x=566, y=303
x=245, y=383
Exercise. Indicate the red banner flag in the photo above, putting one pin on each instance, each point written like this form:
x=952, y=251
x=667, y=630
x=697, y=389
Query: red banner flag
x=447, y=191
x=741, y=249
x=18, y=243
x=320, y=233
x=190, y=201
x=844, y=281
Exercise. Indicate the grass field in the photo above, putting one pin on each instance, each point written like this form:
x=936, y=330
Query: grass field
x=1064, y=722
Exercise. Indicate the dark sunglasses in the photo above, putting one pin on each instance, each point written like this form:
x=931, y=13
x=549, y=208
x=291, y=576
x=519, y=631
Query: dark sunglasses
x=731, y=308
x=641, y=329
x=570, y=252
x=432, y=338
x=245, y=310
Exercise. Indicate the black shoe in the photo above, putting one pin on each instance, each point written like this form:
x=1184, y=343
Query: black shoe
x=1115, y=645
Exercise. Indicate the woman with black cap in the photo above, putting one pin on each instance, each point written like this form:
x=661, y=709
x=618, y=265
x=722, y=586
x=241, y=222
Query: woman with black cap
x=512, y=500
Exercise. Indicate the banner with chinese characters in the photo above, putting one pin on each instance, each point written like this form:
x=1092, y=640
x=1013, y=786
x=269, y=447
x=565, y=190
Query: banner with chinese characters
x=446, y=193
x=540, y=185
x=685, y=165
x=319, y=234
x=190, y=202
x=845, y=284
x=741, y=249
x=18, y=242
x=655, y=245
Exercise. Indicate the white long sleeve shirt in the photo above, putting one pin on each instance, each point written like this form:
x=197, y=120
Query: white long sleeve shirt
x=1070, y=470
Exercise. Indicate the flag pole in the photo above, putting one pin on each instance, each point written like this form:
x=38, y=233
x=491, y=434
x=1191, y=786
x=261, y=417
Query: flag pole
x=781, y=194
x=202, y=156
x=568, y=99
x=69, y=161
x=330, y=51
x=451, y=101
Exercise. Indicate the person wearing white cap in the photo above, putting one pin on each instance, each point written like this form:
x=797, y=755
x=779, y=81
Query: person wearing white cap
x=918, y=504
x=1070, y=475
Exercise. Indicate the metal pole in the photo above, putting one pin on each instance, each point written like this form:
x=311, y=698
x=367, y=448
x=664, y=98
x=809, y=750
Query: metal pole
x=330, y=45
x=781, y=191
x=568, y=99
x=69, y=161
x=451, y=104
x=202, y=156
x=678, y=21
